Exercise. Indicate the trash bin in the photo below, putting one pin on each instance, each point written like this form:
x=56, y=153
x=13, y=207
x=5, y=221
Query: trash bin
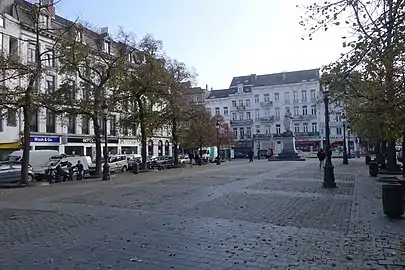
x=392, y=200
x=135, y=169
x=373, y=168
x=368, y=159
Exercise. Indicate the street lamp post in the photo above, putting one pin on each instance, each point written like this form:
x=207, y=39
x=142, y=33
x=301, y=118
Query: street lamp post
x=106, y=167
x=348, y=141
x=345, y=159
x=329, y=176
x=217, y=126
x=258, y=143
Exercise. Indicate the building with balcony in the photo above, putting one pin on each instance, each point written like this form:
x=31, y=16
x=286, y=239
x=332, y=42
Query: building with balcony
x=66, y=133
x=198, y=95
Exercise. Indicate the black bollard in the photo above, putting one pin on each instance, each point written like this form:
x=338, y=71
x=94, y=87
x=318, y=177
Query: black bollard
x=373, y=168
x=392, y=200
x=135, y=169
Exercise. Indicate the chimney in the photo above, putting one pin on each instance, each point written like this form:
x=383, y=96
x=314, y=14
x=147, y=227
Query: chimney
x=50, y=6
x=206, y=87
x=253, y=78
x=104, y=30
x=284, y=73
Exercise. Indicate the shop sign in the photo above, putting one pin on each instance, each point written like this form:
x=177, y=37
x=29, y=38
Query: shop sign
x=45, y=139
x=128, y=142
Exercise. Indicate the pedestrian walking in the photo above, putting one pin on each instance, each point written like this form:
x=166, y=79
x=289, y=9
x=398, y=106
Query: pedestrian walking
x=271, y=154
x=321, y=156
x=191, y=157
x=250, y=155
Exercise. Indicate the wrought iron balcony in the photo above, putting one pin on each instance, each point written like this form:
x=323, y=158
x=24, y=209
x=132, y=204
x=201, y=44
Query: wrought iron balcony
x=262, y=136
x=306, y=134
x=304, y=117
x=265, y=119
x=266, y=103
x=241, y=108
x=242, y=122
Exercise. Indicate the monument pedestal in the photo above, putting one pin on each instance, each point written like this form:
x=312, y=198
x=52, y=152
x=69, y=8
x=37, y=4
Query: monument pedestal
x=288, y=153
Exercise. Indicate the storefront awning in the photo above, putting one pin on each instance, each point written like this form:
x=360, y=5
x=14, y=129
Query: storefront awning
x=10, y=145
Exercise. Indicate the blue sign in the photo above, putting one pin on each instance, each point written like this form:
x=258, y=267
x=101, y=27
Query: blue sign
x=45, y=139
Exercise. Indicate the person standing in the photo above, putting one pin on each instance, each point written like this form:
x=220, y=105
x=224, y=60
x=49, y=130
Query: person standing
x=321, y=156
x=271, y=154
x=80, y=170
x=250, y=155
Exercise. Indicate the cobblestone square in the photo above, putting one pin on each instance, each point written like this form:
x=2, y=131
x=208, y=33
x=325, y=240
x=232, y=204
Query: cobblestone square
x=263, y=215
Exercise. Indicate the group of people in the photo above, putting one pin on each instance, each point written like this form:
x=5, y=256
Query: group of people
x=65, y=176
x=195, y=158
x=270, y=154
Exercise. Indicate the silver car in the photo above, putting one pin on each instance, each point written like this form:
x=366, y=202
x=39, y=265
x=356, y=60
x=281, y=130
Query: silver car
x=10, y=173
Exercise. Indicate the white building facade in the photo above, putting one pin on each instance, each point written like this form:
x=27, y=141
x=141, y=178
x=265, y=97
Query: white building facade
x=256, y=104
x=65, y=133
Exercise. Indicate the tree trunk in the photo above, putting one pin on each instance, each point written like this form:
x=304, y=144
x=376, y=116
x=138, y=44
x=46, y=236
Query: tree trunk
x=144, y=136
x=97, y=138
x=392, y=157
x=27, y=135
x=175, y=142
x=403, y=155
x=382, y=160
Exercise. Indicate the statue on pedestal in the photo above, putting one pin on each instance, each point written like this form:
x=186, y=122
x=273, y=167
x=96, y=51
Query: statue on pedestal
x=287, y=121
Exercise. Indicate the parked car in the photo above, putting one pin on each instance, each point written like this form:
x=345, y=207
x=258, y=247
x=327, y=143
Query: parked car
x=10, y=173
x=183, y=159
x=163, y=162
x=117, y=163
x=240, y=155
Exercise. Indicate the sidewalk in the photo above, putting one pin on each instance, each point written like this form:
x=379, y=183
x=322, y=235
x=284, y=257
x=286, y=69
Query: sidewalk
x=373, y=233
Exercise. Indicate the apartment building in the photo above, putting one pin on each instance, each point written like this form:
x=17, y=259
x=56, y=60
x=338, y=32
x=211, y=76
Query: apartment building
x=255, y=105
x=66, y=133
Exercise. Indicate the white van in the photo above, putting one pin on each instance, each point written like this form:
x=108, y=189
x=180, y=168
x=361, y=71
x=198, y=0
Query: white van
x=38, y=158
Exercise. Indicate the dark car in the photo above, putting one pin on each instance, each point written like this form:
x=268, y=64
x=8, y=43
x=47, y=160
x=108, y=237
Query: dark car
x=163, y=162
x=240, y=155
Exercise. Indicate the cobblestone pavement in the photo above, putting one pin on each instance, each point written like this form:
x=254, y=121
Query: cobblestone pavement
x=263, y=215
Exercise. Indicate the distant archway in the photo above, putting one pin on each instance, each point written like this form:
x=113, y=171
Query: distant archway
x=150, y=148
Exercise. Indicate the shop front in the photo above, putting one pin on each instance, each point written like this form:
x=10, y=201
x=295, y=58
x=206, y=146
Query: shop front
x=39, y=142
x=87, y=146
x=128, y=146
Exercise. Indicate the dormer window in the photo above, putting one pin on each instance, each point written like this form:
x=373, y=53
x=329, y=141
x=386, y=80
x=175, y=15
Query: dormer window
x=79, y=36
x=107, y=47
x=2, y=24
x=44, y=21
x=240, y=88
x=131, y=58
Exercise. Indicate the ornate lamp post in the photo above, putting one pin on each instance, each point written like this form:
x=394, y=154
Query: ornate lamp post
x=217, y=126
x=329, y=176
x=258, y=142
x=348, y=141
x=106, y=167
x=345, y=159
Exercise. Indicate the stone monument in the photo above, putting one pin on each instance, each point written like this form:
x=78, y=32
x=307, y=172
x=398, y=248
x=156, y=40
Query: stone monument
x=289, y=153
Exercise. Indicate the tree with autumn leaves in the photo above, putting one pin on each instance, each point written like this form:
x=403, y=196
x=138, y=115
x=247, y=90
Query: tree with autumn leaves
x=368, y=78
x=201, y=130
